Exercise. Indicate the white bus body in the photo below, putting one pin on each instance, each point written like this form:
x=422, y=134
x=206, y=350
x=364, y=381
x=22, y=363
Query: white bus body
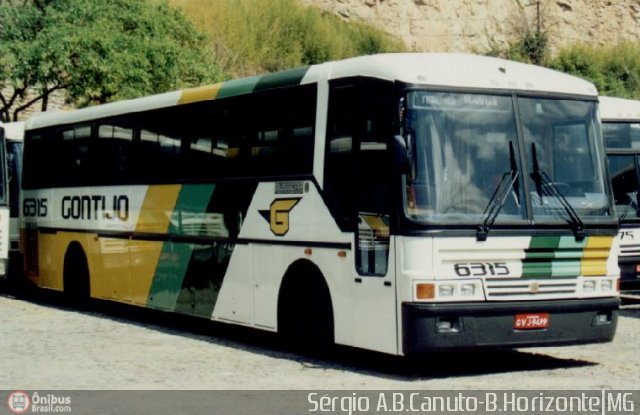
x=398, y=203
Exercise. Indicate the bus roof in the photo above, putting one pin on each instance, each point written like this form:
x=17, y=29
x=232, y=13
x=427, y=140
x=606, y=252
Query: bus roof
x=449, y=70
x=619, y=109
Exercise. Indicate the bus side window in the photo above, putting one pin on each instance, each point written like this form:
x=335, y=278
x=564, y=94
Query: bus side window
x=160, y=146
x=357, y=168
x=372, y=180
x=339, y=159
x=79, y=160
x=115, y=148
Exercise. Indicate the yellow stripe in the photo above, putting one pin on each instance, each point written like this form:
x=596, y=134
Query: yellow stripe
x=157, y=208
x=595, y=255
x=155, y=216
x=202, y=93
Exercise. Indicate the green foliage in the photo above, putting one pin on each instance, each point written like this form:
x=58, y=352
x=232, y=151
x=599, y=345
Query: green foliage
x=99, y=50
x=532, y=48
x=615, y=70
x=254, y=36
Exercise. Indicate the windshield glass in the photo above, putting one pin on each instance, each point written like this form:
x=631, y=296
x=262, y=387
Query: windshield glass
x=624, y=178
x=462, y=153
x=621, y=135
x=466, y=150
x=563, y=137
x=622, y=140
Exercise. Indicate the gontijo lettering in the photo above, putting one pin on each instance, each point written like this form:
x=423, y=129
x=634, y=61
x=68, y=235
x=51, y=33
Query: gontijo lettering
x=95, y=207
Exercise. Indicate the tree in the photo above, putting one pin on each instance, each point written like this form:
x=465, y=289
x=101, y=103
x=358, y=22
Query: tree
x=97, y=51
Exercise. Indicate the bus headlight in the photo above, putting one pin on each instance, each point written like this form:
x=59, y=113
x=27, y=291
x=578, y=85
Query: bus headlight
x=599, y=286
x=589, y=286
x=465, y=290
x=606, y=285
x=445, y=290
x=468, y=290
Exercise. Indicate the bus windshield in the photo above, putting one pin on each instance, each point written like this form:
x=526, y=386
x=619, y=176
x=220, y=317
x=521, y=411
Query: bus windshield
x=623, y=145
x=468, y=148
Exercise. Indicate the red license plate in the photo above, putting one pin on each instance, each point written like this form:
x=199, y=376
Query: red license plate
x=531, y=321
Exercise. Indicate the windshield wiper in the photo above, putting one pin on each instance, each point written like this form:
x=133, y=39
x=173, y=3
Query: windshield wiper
x=509, y=181
x=545, y=186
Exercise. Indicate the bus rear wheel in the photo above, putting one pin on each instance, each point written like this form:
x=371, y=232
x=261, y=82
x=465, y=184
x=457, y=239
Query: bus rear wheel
x=76, y=276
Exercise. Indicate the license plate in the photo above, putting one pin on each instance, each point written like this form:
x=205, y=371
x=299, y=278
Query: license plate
x=531, y=321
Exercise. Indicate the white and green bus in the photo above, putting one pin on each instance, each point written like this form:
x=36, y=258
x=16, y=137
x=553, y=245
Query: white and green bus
x=621, y=130
x=399, y=203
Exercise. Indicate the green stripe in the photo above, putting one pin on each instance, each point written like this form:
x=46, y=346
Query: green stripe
x=282, y=79
x=238, y=87
x=544, y=242
x=569, y=242
x=565, y=268
x=169, y=275
x=175, y=257
x=537, y=261
x=553, y=256
x=191, y=205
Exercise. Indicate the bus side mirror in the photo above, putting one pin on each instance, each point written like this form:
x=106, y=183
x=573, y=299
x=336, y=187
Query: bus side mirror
x=401, y=154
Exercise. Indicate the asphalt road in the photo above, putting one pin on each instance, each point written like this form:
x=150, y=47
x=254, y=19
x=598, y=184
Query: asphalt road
x=46, y=345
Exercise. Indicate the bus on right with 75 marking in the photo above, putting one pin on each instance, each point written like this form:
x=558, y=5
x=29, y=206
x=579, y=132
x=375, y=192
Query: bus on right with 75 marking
x=621, y=130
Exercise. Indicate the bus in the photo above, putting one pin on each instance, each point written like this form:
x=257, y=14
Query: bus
x=14, y=141
x=621, y=130
x=399, y=203
x=4, y=209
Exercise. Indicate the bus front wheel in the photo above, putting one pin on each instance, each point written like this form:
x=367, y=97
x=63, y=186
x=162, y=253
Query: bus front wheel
x=305, y=314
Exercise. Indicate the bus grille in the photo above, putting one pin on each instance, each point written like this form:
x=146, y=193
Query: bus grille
x=544, y=268
x=629, y=250
x=529, y=289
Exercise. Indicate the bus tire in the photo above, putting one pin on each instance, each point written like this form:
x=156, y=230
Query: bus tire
x=76, y=282
x=305, y=313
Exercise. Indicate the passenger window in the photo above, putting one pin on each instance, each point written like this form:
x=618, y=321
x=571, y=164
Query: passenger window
x=79, y=160
x=281, y=131
x=160, y=146
x=115, y=146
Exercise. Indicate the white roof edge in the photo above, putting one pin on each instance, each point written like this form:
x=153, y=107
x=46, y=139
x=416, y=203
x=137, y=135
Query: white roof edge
x=465, y=71
x=613, y=108
x=454, y=70
x=103, y=111
x=13, y=130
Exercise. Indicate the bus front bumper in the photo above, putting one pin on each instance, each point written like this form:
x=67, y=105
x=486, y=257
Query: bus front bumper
x=437, y=326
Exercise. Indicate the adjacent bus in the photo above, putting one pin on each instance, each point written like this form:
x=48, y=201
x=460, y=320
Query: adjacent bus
x=399, y=203
x=621, y=130
x=4, y=209
x=14, y=142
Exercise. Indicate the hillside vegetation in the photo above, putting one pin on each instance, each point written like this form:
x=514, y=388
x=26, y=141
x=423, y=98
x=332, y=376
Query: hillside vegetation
x=247, y=37
x=615, y=69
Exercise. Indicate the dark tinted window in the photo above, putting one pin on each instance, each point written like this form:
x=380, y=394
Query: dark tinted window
x=115, y=146
x=265, y=134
